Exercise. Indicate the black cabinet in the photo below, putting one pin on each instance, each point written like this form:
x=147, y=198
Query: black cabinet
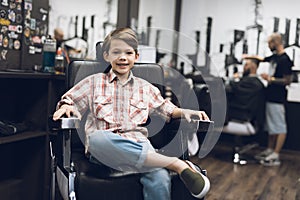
x=27, y=98
x=293, y=122
x=23, y=25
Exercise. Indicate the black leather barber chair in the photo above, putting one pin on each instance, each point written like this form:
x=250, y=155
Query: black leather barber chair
x=245, y=116
x=78, y=178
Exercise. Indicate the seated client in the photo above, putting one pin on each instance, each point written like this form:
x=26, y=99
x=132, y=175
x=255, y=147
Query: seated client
x=246, y=97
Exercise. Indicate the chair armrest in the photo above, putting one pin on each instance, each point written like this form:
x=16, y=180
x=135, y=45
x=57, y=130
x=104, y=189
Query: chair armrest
x=64, y=123
x=67, y=127
x=200, y=125
x=204, y=126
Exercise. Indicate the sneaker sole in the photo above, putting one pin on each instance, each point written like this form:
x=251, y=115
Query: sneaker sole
x=273, y=164
x=206, y=181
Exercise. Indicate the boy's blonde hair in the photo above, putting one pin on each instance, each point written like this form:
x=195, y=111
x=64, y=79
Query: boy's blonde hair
x=125, y=34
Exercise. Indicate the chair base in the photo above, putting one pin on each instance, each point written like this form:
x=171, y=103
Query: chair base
x=115, y=188
x=93, y=181
x=239, y=155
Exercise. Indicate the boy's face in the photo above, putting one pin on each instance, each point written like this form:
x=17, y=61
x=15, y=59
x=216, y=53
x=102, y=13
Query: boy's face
x=121, y=56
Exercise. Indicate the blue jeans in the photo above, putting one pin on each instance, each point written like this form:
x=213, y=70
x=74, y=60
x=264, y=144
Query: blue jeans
x=122, y=154
x=157, y=185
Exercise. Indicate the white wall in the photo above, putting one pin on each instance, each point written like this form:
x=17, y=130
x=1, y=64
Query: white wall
x=162, y=13
x=62, y=14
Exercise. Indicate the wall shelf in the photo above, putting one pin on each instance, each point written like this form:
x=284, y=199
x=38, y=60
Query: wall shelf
x=22, y=136
x=27, y=97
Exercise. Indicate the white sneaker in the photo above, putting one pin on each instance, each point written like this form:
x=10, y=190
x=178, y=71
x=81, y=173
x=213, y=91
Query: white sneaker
x=262, y=155
x=195, y=181
x=271, y=160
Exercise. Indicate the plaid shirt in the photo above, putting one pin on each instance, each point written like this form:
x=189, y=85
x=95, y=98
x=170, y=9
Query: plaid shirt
x=118, y=107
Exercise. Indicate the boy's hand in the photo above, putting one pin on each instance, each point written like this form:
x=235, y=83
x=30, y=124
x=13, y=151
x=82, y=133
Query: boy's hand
x=194, y=115
x=66, y=110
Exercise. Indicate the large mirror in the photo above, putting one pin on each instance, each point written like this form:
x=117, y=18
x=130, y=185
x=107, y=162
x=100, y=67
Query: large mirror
x=218, y=28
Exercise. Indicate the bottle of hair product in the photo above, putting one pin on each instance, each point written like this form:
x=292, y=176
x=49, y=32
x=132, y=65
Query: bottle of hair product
x=59, y=62
x=49, y=51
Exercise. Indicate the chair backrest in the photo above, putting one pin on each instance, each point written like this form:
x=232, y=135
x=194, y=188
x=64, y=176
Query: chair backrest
x=79, y=69
x=247, y=101
x=151, y=72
